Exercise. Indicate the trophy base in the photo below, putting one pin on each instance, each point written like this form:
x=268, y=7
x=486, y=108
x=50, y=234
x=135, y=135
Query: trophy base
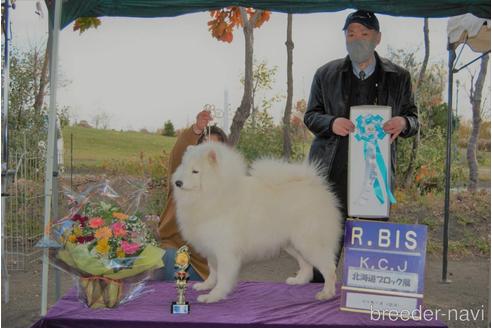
x=180, y=308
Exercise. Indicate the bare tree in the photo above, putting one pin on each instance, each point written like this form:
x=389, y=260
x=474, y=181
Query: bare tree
x=408, y=179
x=105, y=119
x=43, y=78
x=287, y=143
x=101, y=120
x=244, y=110
x=476, y=101
x=96, y=120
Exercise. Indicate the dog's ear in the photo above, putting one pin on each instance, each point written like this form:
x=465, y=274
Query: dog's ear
x=212, y=157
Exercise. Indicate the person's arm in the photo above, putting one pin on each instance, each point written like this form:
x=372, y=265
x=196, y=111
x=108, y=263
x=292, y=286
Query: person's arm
x=406, y=123
x=186, y=138
x=408, y=108
x=316, y=119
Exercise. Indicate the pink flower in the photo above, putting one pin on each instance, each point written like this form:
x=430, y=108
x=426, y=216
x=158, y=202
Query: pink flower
x=119, y=229
x=129, y=248
x=96, y=222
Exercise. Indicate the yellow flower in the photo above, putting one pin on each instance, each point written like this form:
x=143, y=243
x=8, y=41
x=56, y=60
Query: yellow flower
x=72, y=238
x=77, y=231
x=102, y=246
x=120, y=253
x=104, y=232
x=120, y=216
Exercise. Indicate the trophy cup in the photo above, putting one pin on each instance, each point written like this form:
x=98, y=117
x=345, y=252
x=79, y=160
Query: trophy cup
x=182, y=262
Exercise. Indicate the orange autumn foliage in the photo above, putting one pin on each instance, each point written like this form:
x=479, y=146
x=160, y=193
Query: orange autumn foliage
x=82, y=24
x=226, y=19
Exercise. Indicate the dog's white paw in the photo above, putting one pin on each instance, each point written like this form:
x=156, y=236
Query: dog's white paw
x=201, y=286
x=296, y=281
x=209, y=298
x=325, y=295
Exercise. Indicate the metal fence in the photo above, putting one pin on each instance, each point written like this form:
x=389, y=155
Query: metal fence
x=24, y=212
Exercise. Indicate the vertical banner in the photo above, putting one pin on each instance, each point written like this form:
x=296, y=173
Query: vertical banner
x=384, y=267
x=369, y=160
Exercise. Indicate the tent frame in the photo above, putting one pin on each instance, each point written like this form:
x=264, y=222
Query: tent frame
x=50, y=158
x=6, y=173
x=50, y=154
x=447, y=187
x=452, y=61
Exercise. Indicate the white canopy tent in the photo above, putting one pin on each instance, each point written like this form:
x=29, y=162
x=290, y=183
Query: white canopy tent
x=88, y=8
x=471, y=30
x=51, y=139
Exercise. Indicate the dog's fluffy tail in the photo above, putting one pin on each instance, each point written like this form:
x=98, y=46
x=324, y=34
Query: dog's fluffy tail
x=277, y=172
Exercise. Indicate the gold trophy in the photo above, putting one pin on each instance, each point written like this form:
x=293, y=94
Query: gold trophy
x=182, y=262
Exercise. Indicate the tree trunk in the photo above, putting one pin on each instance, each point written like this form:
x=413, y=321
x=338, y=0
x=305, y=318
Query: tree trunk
x=409, y=173
x=244, y=110
x=476, y=100
x=288, y=104
x=254, y=109
x=35, y=68
x=43, y=80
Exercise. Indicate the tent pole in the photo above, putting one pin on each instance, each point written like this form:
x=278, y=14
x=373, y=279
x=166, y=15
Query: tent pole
x=55, y=200
x=452, y=56
x=5, y=153
x=50, y=154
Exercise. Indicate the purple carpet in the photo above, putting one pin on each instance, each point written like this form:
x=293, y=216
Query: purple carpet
x=252, y=304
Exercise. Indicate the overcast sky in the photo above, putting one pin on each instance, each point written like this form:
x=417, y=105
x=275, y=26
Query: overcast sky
x=143, y=72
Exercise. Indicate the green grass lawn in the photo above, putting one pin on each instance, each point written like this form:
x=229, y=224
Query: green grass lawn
x=93, y=147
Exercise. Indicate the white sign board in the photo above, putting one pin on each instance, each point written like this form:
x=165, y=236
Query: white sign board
x=383, y=267
x=369, y=176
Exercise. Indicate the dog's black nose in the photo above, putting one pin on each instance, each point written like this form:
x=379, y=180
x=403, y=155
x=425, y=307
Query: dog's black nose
x=179, y=183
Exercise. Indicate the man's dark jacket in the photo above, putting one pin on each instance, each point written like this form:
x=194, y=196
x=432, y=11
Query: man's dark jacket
x=329, y=99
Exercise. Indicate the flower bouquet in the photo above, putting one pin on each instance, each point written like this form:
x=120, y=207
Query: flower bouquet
x=110, y=252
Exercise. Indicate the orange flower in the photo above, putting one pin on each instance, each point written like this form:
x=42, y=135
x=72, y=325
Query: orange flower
x=120, y=216
x=95, y=223
x=104, y=232
x=72, y=238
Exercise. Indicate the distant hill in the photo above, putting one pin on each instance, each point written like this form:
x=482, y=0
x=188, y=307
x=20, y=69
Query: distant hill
x=91, y=147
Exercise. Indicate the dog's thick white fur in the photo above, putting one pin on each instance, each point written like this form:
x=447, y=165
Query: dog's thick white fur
x=231, y=217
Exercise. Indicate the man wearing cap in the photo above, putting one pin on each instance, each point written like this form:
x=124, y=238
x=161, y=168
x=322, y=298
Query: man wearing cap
x=361, y=78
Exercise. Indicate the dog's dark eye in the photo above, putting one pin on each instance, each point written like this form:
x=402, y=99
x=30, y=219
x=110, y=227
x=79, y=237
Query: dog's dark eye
x=194, y=171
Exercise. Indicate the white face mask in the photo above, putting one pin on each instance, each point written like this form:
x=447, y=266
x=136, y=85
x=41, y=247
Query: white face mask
x=360, y=50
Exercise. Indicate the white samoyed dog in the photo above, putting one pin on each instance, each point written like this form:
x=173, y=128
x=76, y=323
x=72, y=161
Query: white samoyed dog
x=232, y=217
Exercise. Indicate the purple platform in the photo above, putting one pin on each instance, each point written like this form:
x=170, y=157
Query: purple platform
x=252, y=304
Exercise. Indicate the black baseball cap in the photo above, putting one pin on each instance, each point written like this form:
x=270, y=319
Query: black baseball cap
x=364, y=17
